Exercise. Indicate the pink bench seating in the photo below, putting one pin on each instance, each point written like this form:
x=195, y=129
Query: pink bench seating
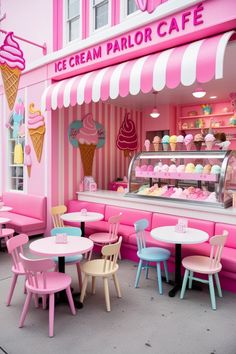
x=28, y=213
x=129, y=245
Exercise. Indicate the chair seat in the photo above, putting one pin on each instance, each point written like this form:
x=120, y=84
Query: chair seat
x=95, y=268
x=153, y=254
x=70, y=259
x=200, y=264
x=55, y=282
x=20, y=270
x=102, y=238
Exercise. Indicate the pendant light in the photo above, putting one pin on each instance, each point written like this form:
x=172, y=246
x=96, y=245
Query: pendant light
x=155, y=113
x=199, y=92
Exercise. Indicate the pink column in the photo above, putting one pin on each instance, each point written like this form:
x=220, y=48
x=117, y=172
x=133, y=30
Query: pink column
x=57, y=24
x=85, y=16
x=115, y=12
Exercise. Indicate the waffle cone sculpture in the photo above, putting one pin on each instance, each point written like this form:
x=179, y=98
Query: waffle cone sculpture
x=36, y=127
x=11, y=63
x=87, y=155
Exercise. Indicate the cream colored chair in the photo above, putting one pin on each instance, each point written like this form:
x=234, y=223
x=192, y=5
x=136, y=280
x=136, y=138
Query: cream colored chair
x=56, y=213
x=105, y=267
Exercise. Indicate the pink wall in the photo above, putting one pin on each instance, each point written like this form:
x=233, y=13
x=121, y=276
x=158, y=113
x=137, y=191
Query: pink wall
x=109, y=162
x=31, y=20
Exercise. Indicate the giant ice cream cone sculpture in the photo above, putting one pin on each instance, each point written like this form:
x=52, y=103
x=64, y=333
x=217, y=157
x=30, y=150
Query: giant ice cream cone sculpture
x=87, y=139
x=127, y=137
x=165, y=142
x=209, y=141
x=11, y=64
x=173, y=142
x=188, y=141
x=156, y=142
x=36, y=127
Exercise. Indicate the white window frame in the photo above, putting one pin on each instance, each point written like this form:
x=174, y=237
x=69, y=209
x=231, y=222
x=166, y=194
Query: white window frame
x=66, y=31
x=123, y=11
x=92, y=18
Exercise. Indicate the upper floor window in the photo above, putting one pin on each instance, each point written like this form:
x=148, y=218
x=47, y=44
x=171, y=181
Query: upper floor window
x=101, y=10
x=131, y=7
x=73, y=19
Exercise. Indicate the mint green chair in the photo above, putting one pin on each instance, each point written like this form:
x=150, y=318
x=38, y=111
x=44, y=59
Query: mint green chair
x=149, y=255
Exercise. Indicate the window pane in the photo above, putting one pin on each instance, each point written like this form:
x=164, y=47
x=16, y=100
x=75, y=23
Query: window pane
x=73, y=8
x=131, y=6
x=101, y=14
x=74, y=29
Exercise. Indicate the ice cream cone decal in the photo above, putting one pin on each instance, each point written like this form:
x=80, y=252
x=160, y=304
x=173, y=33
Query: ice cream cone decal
x=27, y=159
x=36, y=127
x=12, y=63
x=127, y=136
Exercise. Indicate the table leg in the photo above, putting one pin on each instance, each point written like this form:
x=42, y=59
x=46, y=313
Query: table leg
x=178, y=280
x=82, y=226
x=62, y=294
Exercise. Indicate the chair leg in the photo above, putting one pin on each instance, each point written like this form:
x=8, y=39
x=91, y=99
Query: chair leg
x=146, y=270
x=159, y=280
x=184, y=284
x=117, y=285
x=13, y=284
x=190, y=281
x=51, y=314
x=25, y=309
x=212, y=292
x=84, y=287
x=36, y=301
x=70, y=300
x=218, y=285
x=138, y=273
x=44, y=302
x=79, y=275
x=166, y=271
x=107, y=296
x=93, y=285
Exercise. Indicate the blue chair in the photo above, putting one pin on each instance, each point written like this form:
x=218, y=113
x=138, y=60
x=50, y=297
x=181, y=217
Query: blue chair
x=70, y=260
x=149, y=254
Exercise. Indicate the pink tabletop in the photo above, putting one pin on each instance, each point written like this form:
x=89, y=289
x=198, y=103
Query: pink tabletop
x=5, y=208
x=47, y=246
x=168, y=234
x=79, y=217
x=4, y=220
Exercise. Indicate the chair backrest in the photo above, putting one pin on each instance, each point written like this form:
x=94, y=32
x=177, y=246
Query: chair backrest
x=217, y=245
x=70, y=231
x=114, y=222
x=110, y=254
x=15, y=247
x=140, y=227
x=35, y=268
x=56, y=213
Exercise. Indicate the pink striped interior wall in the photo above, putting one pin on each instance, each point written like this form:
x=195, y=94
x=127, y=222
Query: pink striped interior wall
x=109, y=162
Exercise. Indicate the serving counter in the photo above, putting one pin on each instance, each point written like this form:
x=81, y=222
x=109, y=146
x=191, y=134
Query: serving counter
x=223, y=215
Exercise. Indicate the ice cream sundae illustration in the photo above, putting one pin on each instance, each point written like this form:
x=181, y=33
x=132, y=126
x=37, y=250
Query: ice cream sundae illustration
x=36, y=127
x=12, y=63
x=127, y=136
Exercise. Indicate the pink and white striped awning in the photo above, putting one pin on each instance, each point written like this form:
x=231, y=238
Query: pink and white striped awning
x=200, y=62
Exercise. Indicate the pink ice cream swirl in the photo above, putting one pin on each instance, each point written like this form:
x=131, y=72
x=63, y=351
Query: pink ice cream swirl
x=35, y=119
x=88, y=133
x=127, y=137
x=10, y=53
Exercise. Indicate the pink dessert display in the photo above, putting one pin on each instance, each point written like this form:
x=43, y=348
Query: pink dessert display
x=143, y=168
x=190, y=167
x=150, y=168
x=127, y=137
x=181, y=168
x=173, y=168
x=164, y=168
x=188, y=141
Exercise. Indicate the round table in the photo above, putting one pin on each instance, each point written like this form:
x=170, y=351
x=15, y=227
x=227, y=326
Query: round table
x=5, y=208
x=47, y=246
x=82, y=218
x=2, y=222
x=169, y=235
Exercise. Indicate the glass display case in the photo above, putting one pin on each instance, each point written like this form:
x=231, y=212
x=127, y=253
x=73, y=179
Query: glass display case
x=199, y=177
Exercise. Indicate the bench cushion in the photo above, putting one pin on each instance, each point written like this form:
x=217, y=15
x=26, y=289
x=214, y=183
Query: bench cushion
x=22, y=223
x=231, y=239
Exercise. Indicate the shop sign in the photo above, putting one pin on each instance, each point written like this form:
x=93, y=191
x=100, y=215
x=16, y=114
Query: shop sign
x=164, y=29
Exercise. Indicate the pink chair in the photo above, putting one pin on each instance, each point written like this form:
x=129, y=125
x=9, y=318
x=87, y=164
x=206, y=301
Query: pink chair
x=205, y=265
x=106, y=238
x=14, y=247
x=41, y=281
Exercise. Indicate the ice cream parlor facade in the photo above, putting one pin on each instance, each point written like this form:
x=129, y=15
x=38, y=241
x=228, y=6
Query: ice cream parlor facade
x=94, y=64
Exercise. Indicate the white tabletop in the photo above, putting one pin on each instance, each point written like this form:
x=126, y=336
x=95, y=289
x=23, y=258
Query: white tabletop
x=79, y=217
x=5, y=208
x=4, y=220
x=168, y=234
x=47, y=246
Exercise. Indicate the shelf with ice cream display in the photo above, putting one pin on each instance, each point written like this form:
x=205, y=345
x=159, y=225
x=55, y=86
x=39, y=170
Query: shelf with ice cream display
x=190, y=176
